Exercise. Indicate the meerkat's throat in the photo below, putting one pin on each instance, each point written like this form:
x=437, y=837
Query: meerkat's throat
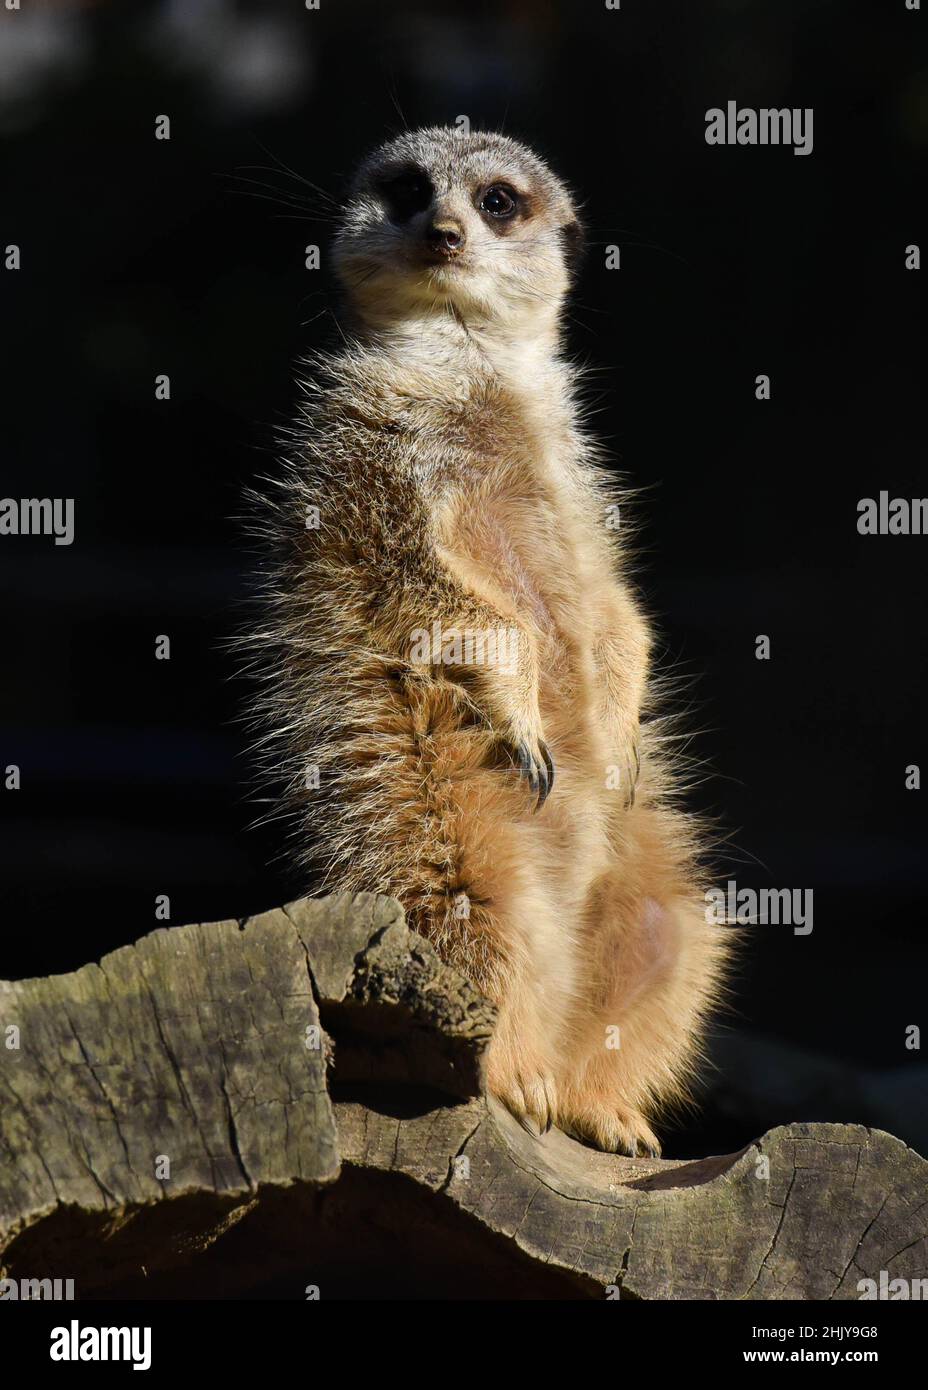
x=520, y=354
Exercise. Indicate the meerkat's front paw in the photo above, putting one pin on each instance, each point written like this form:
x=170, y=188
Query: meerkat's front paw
x=614, y=1129
x=532, y=757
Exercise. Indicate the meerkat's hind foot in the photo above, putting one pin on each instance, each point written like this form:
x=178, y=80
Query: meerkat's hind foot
x=531, y=1099
x=613, y=1130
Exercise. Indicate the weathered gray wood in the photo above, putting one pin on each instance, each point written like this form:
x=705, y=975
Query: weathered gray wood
x=399, y=1014
x=210, y=1047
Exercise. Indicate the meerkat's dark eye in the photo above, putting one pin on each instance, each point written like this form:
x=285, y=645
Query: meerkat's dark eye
x=407, y=193
x=498, y=201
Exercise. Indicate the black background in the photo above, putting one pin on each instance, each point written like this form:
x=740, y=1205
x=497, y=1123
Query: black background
x=143, y=257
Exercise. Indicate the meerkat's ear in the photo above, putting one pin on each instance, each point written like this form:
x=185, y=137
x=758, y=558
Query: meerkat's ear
x=573, y=242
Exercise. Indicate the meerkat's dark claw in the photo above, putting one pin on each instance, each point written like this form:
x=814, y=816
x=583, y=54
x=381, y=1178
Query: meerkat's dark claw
x=531, y=1125
x=633, y=781
x=539, y=775
x=545, y=777
x=549, y=763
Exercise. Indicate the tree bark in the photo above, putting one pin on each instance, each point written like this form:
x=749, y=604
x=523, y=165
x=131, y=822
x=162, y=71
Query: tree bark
x=293, y=1102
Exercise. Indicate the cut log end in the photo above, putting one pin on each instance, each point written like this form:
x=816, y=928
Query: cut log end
x=294, y=1103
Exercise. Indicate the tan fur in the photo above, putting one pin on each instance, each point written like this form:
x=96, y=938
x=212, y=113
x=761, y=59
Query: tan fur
x=443, y=449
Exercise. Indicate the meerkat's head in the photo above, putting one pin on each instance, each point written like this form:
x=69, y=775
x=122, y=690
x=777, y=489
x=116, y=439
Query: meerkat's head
x=473, y=226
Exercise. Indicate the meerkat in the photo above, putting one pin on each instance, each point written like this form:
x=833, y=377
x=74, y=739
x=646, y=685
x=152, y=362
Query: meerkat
x=457, y=688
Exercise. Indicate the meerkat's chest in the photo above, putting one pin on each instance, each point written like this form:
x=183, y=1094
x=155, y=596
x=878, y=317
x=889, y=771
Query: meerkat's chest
x=518, y=535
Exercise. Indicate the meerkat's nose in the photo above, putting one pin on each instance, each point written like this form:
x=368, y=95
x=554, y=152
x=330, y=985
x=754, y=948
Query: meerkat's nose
x=446, y=235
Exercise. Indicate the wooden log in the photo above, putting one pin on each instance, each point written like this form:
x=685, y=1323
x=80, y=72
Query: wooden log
x=294, y=1102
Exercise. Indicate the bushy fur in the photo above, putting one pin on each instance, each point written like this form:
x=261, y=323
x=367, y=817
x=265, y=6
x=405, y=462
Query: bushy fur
x=455, y=485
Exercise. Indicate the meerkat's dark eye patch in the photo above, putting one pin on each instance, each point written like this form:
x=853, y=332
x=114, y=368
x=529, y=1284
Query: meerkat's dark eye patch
x=406, y=192
x=500, y=201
